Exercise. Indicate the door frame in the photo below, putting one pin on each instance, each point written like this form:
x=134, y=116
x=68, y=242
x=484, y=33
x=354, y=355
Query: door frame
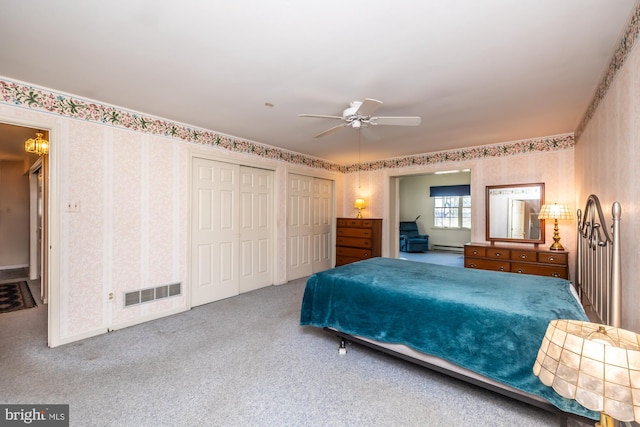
x=36, y=244
x=392, y=209
x=51, y=219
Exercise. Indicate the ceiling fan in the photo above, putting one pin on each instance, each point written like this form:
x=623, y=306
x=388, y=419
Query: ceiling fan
x=360, y=114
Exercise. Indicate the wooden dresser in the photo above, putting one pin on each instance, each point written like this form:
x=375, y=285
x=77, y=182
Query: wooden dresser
x=357, y=239
x=524, y=260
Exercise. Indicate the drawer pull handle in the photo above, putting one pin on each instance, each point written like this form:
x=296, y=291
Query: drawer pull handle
x=551, y=258
x=523, y=256
x=501, y=268
x=555, y=275
x=498, y=254
x=472, y=265
x=475, y=252
x=519, y=270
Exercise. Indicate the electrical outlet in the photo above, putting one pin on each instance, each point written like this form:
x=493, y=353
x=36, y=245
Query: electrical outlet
x=73, y=206
x=110, y=296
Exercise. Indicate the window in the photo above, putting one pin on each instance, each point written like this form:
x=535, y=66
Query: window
x=452, y=211
x=451, y=206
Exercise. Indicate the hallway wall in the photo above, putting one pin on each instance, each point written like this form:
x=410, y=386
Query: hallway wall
x=14, y=215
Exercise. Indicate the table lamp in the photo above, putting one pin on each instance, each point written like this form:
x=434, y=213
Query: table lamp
x=555, y=212
x=597, y=365
x=359, y=204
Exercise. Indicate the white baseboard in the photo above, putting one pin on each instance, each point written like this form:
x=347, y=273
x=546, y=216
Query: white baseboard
x=13, y=267
x=449, y=248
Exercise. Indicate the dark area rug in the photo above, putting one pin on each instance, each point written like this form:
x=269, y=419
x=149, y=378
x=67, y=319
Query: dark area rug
x=15, y=296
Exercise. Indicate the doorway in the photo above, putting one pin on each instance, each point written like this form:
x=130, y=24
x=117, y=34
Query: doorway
x=410, y=199
x=24, y=188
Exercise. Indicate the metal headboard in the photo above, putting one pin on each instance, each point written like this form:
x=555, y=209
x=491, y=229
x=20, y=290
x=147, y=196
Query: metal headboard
x=598, y=261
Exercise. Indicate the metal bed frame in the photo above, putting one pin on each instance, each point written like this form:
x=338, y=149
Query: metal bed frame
x=598, y=275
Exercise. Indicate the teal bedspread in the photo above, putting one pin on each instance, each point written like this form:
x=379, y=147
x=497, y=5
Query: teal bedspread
x=489, y=322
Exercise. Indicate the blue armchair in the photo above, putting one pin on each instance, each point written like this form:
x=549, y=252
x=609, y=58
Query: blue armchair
x=410, y=238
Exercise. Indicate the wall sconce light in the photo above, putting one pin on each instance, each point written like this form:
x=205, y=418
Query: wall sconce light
x=555, y=212
x=596, y=365
x=37, y=145
x=359, y=204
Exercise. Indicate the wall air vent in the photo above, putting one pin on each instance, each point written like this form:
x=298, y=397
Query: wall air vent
x=151, y=294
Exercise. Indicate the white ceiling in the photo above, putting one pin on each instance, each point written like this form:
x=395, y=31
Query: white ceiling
x=476, y=71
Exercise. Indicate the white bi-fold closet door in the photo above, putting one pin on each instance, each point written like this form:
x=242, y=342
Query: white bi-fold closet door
x=232, y=229
x=309, y=225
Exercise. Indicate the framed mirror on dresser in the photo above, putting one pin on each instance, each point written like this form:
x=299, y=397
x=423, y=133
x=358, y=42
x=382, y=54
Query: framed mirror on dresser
x=512, y=213
x=513, y=233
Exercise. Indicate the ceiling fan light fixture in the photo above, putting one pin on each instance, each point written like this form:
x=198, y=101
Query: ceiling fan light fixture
x=361, y=114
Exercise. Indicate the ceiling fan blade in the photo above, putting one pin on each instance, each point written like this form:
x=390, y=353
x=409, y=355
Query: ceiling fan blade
x=320, y=116
x=395, y=121
x=330, y=130
x=368, y=107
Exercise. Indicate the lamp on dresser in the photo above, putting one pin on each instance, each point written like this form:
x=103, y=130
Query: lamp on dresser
x=359, y=204
x=555, y=212
x=597, y=365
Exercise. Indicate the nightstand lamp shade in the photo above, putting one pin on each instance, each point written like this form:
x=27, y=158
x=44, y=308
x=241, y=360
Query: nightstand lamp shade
x=555, y=212
x=597, y=365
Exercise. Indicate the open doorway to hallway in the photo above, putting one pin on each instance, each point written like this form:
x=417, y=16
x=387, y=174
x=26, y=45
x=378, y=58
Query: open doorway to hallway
x=22, y=223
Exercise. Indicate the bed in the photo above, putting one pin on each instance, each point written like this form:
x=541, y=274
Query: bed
x=480, y=326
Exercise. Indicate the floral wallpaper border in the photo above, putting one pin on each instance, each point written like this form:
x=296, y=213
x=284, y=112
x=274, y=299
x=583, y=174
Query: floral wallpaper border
x=625, y=46
x=552, y=143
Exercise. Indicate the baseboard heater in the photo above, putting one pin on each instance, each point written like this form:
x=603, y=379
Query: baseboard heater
x=448, y=248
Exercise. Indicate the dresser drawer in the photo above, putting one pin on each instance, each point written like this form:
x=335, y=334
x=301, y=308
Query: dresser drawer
x=472, y=251
x=553, y=258
x=540, y=270
x=487, y=264
x=498, y=253
x=528, y=256
x=342, y=260
x=364, y=233
x=353, y=252
x=347, y=222
x=354, y=242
